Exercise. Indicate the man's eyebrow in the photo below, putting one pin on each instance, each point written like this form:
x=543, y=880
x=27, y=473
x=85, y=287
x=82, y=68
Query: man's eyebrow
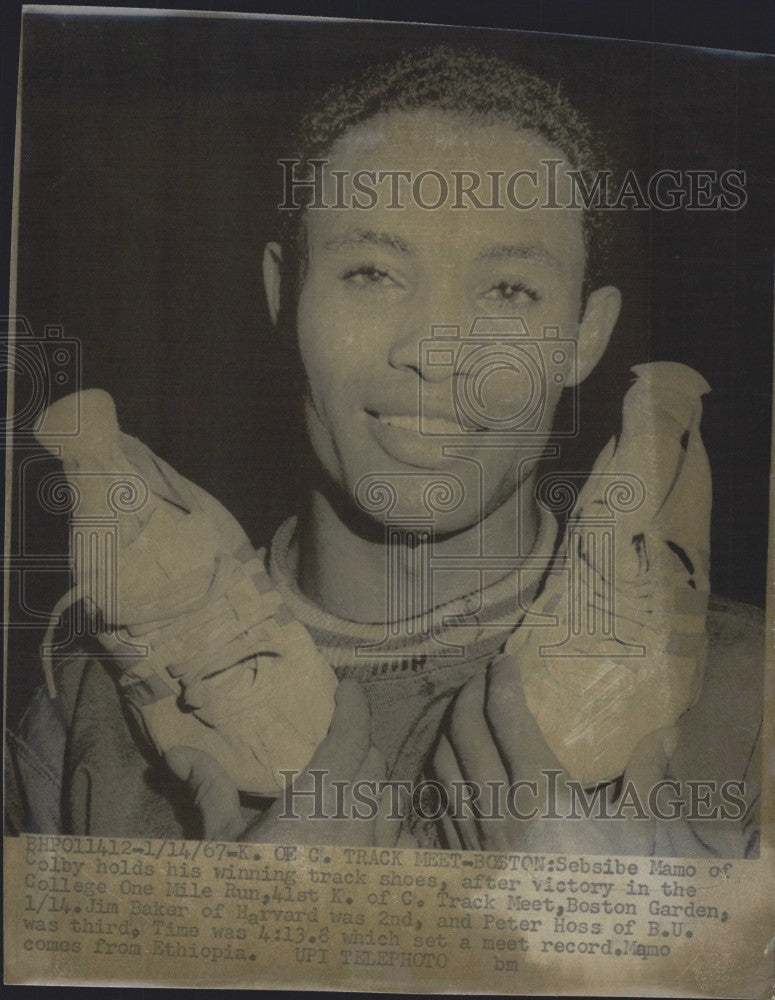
x=368, y=237
x=514, y=251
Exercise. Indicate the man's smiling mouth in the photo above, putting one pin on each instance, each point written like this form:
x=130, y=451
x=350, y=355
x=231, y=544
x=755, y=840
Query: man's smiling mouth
x=420, y=425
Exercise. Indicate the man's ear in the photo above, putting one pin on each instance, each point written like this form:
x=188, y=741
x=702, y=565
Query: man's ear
x=273, y=256
x=600, y=315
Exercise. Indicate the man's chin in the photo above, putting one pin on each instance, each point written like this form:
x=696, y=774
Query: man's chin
x=419, y=517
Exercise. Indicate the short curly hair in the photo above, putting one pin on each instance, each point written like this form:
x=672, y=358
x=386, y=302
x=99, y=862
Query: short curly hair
x=465, y=81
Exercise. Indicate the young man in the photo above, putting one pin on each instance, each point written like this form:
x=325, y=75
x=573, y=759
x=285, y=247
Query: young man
x=430, y=216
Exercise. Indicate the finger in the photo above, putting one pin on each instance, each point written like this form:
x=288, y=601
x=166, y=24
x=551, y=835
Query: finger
x=215, y=794
x=306, y=810
x=367, y=781
x=340, y=755
x=648, y=762
x=352, y=807
x=480, y=761
x=477, y=756
x=647, y=766
x=347, y=743
x=517, y=735
x=448, y=772
x=386, y=828
x=373, y=767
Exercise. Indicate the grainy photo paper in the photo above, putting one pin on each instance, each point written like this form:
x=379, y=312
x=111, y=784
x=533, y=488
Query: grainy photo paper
x=388, y=500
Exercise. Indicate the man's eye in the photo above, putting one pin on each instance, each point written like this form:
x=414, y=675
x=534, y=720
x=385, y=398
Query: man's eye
x=366, y=276
x=511, y=291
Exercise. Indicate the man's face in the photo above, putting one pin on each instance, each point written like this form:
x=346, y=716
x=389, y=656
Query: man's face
x=379, y=401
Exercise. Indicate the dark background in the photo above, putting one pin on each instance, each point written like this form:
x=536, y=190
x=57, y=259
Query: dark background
x=148, y=176
x=744, y=25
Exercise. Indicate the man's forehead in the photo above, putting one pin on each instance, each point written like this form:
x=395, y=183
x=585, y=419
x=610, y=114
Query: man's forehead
x=445, y=137
x=402, y=181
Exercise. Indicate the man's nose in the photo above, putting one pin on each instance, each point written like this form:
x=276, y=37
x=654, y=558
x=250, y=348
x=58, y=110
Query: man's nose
x=413, y=347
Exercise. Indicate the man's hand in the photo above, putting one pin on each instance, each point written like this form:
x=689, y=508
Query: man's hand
x=345, y=755
x=493, y=737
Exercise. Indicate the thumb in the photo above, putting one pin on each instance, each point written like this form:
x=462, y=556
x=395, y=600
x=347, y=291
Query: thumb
x=344, y=748
x=387, y=826
x=338, y=758
x=518, y=735
x=215, y=794
x=648, y=763
x=646, y=767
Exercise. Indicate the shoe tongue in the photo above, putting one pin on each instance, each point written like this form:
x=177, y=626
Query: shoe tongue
x=93, y=413
x=664, y=390
x=144, y=461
